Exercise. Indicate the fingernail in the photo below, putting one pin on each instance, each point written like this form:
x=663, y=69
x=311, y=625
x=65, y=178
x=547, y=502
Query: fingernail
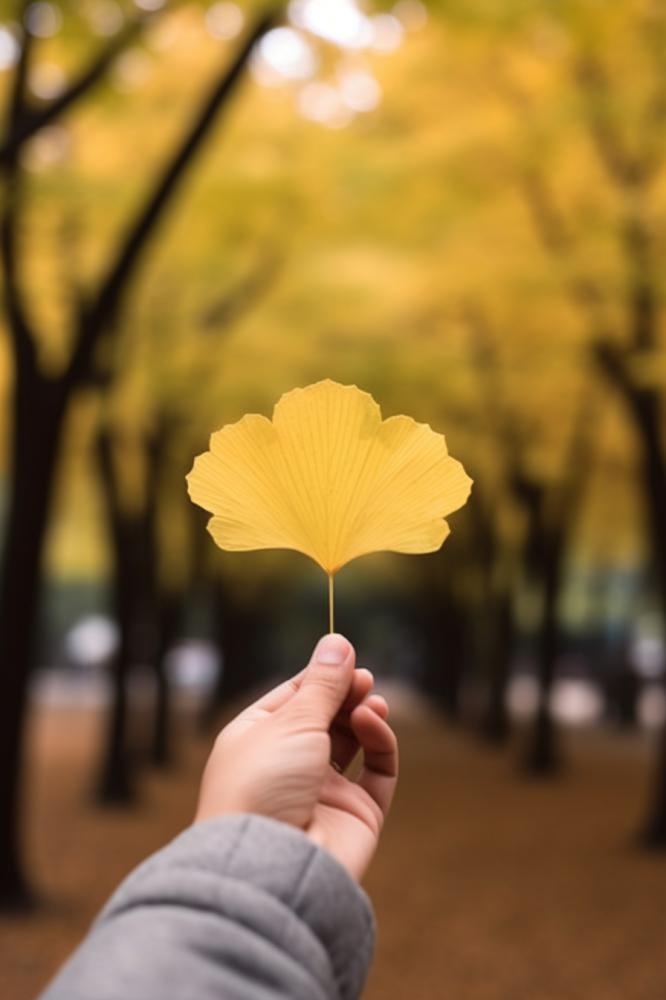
x=332, y=650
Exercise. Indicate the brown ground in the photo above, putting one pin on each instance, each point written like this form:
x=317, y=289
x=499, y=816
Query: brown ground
x=486, y=888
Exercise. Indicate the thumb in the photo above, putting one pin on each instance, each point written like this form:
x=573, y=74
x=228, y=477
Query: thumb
x=326, y=682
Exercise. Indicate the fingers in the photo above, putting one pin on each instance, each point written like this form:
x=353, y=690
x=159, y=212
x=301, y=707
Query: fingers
x=344, y=744
x=379, y=705
x=380, y=750
x=326, y=684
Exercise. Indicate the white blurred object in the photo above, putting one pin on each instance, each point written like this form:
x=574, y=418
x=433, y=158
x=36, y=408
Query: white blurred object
x=47, y=148
x=62, y=689
x=92, y=641
x=47, y=80
x=193, y=664
x=323, y=103
x=359, y=89
x=386, y=33
x=412, y=14
x=576, y=702
x=9, y=49
x=283, y=55
x=338, y=21
x=43, y=19
x=522, y=696
x=163, y=34
x=131, y=69
x=104, y=17
x=224, y=20
x=407, y=704
x=149, y=5
x=647, y=647
x=651, y=706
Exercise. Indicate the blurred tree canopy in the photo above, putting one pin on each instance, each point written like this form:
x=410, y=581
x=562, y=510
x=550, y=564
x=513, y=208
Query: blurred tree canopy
x=385, y=232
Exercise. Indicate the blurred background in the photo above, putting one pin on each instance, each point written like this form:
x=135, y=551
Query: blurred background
x=458, y=206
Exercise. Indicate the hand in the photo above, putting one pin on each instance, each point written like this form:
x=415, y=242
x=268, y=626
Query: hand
x=283, y=757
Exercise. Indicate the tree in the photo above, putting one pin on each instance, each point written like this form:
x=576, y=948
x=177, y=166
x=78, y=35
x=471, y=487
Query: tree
x=621, y=342
x=42, y=400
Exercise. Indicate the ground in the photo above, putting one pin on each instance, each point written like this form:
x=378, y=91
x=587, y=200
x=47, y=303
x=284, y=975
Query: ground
x=487, y=886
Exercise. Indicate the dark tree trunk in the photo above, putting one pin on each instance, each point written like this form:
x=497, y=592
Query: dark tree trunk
x=654, y=835
x=655, y=487
x=496, y=727
x=445, y=634
x=625, y=695
x=542, y=757
x=161, y=753
x=115, y=784
x=239, y=633
x=34, y=447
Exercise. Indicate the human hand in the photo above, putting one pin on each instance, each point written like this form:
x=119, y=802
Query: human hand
x=283, y=757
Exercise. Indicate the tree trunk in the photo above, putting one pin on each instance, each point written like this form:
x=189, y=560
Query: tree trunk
x=542, y=757
x=37, y=425
x=654, y=834
x=445, y=633
x=161, y=751
x=239, y=629
x=115, y=785
x=496, y=727
x=655, y=486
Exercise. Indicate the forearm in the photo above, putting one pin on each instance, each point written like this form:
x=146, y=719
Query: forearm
x=240, y=908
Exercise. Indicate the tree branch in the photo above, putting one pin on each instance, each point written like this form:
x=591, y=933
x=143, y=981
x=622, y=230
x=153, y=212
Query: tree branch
x=559, y=241
x=641, y=292
x=100, y=314
x=19, y=325
x=236, y=302
x=548, y=220
x=612, y=362
x=625, y=169
x=16, y=107
x=20, y=329
x=32, y=119
x=505, y=427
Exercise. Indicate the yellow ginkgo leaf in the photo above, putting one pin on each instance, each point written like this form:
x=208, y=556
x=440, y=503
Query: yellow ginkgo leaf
x=328, y=478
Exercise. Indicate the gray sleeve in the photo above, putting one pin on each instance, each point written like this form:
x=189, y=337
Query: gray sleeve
x=236, y=908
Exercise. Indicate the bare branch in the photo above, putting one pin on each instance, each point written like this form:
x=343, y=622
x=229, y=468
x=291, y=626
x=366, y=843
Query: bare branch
x=20, y=329
x=632, y=173
x=559, y=240
x=505, y=428
x=642, y=298
x=229, y=307
x=612, y=362
x=625, y=169
x=100, y=313
x=16, y=106
x=19, y=325
x=576, y=468
x=548, y=220
x=33, y=118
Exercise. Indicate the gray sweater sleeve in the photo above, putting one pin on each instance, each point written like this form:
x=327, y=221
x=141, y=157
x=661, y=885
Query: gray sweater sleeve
x=236, y=908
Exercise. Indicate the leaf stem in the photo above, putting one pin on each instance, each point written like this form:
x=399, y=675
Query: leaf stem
x=331, y=604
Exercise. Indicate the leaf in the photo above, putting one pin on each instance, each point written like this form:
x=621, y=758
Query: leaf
x=328, y=478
